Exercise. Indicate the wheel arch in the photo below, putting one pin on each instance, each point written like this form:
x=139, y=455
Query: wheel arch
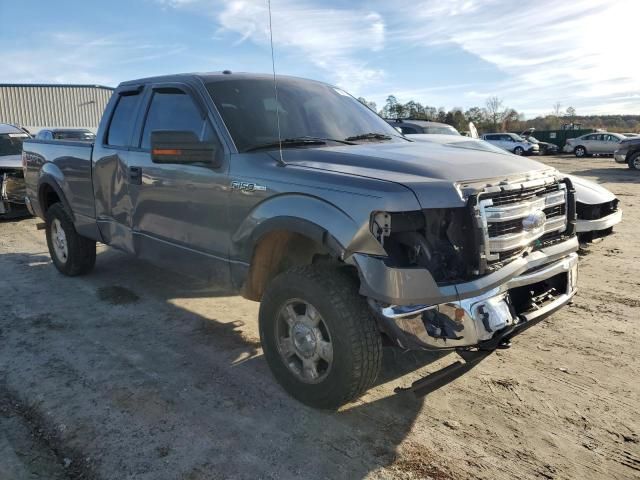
x=50, y=192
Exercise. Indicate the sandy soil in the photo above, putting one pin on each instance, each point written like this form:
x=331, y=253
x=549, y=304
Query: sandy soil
x=132, y=372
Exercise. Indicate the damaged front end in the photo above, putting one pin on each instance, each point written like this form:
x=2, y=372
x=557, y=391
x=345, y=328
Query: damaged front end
x=485, y=271
x=12, y=192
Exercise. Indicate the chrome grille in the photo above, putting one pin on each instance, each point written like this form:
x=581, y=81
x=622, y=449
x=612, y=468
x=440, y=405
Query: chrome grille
x=512, y=218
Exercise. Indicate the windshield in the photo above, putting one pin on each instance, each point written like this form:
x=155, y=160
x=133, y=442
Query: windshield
x=306, y=109
x=74, y=135
x=11, y=143
x=517, y=138
x=441, y=130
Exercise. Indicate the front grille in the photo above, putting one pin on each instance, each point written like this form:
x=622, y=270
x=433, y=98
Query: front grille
x=515, y=219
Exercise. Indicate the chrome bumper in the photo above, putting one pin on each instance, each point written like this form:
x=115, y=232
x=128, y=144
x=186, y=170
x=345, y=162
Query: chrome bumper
x=477, y=320
x=603, y=223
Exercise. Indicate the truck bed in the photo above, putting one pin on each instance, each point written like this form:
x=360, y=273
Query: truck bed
x=69, y=162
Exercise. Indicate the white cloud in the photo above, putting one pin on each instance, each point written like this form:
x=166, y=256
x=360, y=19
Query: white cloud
x=335, y=40
x=77, y=57
x=575, y=52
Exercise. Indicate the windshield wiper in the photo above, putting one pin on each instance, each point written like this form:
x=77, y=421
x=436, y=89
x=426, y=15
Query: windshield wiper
x=298, y=141
x=369, y=136
x=288, y=142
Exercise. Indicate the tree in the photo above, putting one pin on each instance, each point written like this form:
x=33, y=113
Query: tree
x=476, y=115
x=366, y=103
x=393, y=109
x=571, y=113
x=495, y=111
x=557, y=109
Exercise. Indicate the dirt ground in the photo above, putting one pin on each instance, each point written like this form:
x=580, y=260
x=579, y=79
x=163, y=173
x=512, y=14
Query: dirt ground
x=132, y=372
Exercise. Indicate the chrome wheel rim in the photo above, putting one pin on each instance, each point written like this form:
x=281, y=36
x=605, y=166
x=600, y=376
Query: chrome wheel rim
x=518, y=151
x=579, y=152
x=636, y=162
x=304, y=341
x=59, y=241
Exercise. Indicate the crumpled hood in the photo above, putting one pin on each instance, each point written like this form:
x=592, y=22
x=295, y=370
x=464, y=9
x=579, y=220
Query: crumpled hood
x=588, y=192
x=11, y=161
x=431, y=170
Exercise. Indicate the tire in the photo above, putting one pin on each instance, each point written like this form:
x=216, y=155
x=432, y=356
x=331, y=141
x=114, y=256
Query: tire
x=580, y=151
x=518, y=151
x=346, y=323
x=71, y=253
x=634, y=161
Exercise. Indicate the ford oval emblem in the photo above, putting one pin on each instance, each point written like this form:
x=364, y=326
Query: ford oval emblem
x=534, y=221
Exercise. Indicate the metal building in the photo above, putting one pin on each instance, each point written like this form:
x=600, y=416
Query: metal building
x=38, y=106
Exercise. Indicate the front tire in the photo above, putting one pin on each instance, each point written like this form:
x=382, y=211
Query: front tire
x=580, y=152
x=634, y=161
x=518, y=151
x=71, y=253
x=319, y=337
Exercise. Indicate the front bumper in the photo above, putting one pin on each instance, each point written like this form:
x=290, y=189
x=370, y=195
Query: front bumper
x=583, y=226
x=620, y=157
x=485, y=319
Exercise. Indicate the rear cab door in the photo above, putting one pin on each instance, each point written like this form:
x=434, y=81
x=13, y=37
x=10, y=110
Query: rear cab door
x=110, y=171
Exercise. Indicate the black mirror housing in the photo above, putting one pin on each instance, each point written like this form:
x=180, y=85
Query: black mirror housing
x=168, y=146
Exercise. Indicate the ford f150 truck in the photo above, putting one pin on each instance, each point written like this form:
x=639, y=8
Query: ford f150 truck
x=305, y=200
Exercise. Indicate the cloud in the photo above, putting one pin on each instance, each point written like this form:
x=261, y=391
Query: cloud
x=79, y=57
x=573, y=52
x=336, y=40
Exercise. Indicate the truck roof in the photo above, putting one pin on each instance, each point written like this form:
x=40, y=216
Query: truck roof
x=211, y=77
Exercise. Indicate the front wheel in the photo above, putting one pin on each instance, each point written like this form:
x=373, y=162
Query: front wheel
x=319, y=337
x=634, y=161
x=72, y=254
x=580, y=152
x=518, y=151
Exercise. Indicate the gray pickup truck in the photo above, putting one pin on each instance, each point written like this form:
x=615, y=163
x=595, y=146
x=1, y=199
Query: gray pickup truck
x=348, y=233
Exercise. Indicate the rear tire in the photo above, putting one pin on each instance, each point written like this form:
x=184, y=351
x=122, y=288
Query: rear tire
x=344, y=321
x=580, y=151
x=71, y=253
x=634, y=161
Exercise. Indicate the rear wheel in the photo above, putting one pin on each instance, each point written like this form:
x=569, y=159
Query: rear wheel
x=518, y=150
x=319, y=337
x=580, y=151
x=634, y=161
x=71, y=253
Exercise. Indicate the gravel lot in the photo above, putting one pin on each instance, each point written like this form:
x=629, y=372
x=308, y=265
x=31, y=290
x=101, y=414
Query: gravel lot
x=132, y=372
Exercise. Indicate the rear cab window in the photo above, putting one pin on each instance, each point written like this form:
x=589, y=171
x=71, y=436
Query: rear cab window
x=123, y=120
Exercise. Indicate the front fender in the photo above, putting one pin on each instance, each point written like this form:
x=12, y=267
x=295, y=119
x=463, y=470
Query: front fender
x=307, y=215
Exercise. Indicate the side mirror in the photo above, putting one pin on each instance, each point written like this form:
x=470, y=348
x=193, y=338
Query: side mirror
x=181, y=147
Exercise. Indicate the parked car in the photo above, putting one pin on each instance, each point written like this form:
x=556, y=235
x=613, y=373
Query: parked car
x=81, y=134
x=596, y=207
x=421, y=126
x=629, y=152
x=603, y=143
x=544, y=148
x=12, y=191
x=344, y=230
x=512, y=143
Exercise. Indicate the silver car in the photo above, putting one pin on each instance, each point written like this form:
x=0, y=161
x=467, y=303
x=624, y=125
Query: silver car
x=603, y=143
x=512, y=143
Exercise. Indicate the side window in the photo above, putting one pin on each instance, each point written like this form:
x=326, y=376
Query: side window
x=122, y=120
x=173, y=109
x=408, y=130
x=490, y=137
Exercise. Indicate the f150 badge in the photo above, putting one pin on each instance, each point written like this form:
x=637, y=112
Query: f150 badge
x=247, y=187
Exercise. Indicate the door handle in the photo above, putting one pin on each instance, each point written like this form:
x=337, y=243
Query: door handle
x=135, y=175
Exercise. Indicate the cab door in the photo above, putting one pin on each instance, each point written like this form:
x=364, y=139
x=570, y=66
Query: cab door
x=179, y=216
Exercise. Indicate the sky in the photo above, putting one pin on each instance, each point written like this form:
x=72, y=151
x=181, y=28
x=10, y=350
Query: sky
x=457, y=53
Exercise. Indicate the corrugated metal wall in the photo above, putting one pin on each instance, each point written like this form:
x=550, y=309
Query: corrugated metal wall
x=40, y=106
